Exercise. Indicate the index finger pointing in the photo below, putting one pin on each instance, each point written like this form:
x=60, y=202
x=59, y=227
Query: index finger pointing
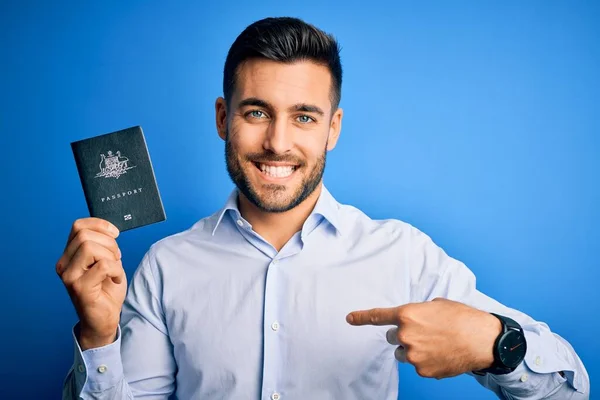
x=375, y=316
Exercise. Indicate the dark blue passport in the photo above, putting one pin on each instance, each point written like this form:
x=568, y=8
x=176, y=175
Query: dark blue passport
x=118, y=178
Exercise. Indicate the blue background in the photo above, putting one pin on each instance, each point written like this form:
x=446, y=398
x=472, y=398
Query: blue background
x=478, y=122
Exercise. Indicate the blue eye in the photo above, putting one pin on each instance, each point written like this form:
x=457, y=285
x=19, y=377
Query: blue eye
x=304, y=119
x=256, y=114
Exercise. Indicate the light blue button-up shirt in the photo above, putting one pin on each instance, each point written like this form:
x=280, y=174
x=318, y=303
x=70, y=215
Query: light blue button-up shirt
x=216, y=312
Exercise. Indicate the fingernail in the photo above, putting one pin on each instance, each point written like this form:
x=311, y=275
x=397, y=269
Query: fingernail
x=119, y=253
x=350, y=318
x=114, y=229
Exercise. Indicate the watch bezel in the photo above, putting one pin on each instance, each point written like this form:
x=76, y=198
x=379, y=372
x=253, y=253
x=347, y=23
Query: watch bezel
x=499, y=352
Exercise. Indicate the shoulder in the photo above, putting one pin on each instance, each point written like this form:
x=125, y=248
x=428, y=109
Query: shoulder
x=199, y=234
x=401, y=237
x=356, y=222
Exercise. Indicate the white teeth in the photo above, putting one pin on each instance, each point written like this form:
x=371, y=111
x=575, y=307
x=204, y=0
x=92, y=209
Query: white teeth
x=276, y=172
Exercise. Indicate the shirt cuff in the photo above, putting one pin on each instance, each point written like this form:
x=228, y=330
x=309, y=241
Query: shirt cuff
x=97, y=369
x=539, y=371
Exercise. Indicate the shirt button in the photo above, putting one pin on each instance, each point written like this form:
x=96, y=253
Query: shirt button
x=275, y=261
x=81, y=368
x=102, y=369
x=538, y=360
x=275, y=396
x=240, y=223
x=524, y=377
x=275, y=326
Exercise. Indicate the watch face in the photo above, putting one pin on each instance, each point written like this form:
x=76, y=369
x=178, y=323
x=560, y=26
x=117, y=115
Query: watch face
x=512, y=348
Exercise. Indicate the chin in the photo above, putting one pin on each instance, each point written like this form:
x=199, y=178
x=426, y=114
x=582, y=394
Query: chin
x=275, y=197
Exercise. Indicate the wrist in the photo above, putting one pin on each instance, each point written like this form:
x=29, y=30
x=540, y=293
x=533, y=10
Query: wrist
x=509, y=348
x=491, y=329
x=88, y=339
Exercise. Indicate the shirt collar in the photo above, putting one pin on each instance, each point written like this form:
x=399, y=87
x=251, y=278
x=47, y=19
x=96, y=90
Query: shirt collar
x=230, y=204
x=326, y=207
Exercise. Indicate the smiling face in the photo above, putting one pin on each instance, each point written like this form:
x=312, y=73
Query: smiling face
x=278, y=128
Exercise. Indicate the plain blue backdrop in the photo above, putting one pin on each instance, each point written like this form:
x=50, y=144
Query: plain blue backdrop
x=478, y=122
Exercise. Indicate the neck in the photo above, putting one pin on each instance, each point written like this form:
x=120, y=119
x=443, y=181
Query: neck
x=278, y=228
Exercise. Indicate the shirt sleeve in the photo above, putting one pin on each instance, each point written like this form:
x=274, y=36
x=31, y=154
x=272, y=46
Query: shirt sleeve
x=435, y=274
x=140, y=362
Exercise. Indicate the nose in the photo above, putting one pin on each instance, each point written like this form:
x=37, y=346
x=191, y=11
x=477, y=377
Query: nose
x=279, y=137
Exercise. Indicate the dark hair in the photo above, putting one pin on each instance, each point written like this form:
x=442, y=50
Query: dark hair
x=285, y=40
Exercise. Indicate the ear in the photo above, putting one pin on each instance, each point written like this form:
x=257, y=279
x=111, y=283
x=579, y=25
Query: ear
x=221, y=117
x=335, y=128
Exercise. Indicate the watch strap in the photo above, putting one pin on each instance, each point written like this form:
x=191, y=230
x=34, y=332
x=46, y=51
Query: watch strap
x=509, y=322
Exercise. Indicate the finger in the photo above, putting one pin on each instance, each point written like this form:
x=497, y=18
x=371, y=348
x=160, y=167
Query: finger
x=400, y=354
x=81, y=243
x=102, y=270
x=375, y=316
x=88, y=235
x=86, y=255
x=94, y=224
x=392, y=336
x=441, y=299
x=91, y=223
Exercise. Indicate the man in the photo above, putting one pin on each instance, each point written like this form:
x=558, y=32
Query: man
x=285, y=293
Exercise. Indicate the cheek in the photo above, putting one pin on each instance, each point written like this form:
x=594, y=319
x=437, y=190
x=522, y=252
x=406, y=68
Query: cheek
x=246, y=138
x=312, y=146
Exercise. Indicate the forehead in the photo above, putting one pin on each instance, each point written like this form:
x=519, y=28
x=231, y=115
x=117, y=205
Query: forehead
x=284, y=84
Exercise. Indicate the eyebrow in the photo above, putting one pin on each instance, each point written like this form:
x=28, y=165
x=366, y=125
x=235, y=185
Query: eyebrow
x=302, y=107
x=256, y=102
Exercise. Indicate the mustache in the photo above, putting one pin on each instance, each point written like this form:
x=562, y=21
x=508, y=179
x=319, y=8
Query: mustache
x=271, y=157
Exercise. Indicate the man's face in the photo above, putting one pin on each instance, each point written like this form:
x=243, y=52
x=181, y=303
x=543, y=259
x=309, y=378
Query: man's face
x=279, y=127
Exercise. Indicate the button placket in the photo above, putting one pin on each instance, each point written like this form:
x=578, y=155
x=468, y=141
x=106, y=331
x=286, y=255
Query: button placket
x=272, y=362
